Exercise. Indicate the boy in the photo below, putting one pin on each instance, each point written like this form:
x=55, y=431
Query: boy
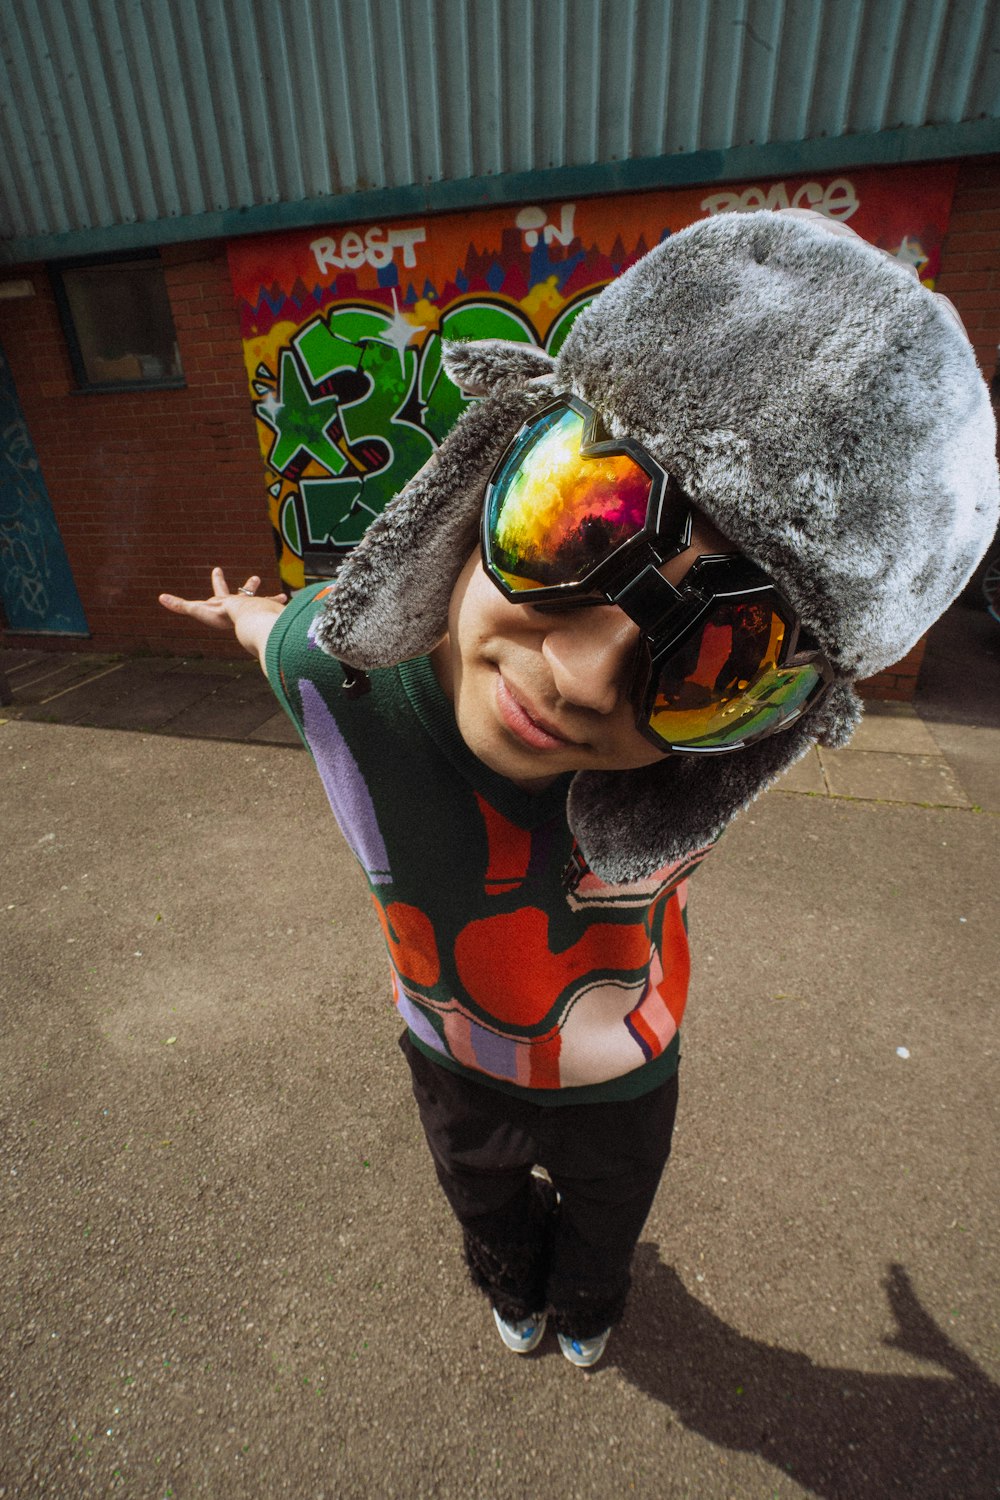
x=633, y=585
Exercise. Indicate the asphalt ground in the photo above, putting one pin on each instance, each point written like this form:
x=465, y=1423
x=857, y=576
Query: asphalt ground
x=226, y=1268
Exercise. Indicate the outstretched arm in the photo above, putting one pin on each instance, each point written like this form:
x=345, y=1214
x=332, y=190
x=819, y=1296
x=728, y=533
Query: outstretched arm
x=247, y=613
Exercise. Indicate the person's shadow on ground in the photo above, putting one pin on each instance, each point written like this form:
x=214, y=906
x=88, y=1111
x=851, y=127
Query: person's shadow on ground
x=840, y=1433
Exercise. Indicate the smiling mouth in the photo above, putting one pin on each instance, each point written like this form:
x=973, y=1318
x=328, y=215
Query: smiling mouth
x=525, y=726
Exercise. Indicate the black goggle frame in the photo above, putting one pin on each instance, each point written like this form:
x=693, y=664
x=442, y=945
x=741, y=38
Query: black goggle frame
x=667, y=615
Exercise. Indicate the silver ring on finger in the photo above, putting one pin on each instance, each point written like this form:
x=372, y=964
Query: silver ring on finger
x=249, y=593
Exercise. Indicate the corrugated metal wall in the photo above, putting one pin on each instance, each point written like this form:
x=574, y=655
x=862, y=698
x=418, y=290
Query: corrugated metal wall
x=125, y=112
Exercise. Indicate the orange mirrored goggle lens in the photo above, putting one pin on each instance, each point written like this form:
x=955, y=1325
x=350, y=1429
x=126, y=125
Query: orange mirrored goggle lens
x=724, y=686
x=555, y=514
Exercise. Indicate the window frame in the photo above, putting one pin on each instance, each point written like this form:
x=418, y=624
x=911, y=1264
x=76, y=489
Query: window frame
x=84, y=385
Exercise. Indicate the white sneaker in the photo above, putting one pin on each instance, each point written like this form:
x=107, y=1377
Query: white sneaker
x=552, y=1198
x=524, y=1335
x=584, y=1352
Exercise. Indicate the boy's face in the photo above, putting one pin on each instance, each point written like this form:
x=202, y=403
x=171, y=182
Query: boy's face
x=536, y=693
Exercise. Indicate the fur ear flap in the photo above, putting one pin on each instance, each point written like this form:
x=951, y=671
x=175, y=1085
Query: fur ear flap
x=482, y=365
x=629, y=824
x=837, y=717
x=393, y=591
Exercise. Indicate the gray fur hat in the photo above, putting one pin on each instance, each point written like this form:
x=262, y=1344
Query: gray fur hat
x=816, y=402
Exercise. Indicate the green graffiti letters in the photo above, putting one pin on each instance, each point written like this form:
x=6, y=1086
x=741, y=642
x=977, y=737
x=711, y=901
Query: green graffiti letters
x=301, y=424
x=476, y=319
x=362, y=408
x=363, y=355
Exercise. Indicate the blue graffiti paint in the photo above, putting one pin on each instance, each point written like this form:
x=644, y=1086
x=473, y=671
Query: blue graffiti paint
x=36, y=585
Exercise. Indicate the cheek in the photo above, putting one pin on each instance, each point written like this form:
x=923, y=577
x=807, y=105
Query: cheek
x=479, y=613
x=635, y=750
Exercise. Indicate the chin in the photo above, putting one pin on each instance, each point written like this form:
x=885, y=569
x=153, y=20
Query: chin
x=489, y=744
x=509, y=761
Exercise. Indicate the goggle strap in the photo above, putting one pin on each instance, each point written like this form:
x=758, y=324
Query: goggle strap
x=662, y=612
x=646, y=598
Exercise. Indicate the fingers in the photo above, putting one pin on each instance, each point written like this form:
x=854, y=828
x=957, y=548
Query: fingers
x=221, y=594
x=195, y=607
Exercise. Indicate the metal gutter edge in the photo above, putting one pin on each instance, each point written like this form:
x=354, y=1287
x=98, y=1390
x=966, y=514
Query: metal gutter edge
x=735, y=164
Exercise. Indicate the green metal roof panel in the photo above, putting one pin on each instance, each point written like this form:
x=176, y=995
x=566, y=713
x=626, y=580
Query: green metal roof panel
x=134, y=120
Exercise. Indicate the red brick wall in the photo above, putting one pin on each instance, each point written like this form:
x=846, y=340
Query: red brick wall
x=970, y=276
x=149, y=487
x=970, y=272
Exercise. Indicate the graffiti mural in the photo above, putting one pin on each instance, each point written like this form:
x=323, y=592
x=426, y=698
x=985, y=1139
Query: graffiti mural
x=342, y=331
x=36, y=585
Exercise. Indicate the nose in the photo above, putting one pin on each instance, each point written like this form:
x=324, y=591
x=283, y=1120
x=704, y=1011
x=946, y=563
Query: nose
x=589, y=653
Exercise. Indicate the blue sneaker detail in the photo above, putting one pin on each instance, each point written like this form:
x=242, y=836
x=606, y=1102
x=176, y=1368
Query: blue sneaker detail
x=524, y=1335
x=584, y=1352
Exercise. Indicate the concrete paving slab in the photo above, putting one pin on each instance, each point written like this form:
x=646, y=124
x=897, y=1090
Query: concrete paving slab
x=214, y=666
x=806, y=776
x=881, y=777
x=42, y=668
x=896, y=728
x=278, y=730
x=138, y=696
x=235, y=708
x=54, y=674
x=973, y=752
x=12, y=661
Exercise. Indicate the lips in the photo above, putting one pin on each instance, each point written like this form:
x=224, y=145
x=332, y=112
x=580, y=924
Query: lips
x=525, y=724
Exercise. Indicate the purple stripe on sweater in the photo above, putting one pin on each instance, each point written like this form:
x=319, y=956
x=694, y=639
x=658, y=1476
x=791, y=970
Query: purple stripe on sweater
x=494, y=1054
x=419, y=1024
x=345, y=786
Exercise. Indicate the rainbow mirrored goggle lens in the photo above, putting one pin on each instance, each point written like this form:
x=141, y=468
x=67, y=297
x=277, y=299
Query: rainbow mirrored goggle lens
x=731, y=681
x=558, y=506
x=569, y=518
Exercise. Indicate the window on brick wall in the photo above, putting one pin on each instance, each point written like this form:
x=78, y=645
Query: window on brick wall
x=118, y=324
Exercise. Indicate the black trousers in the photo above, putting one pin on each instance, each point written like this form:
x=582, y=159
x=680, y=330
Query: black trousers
x=524, y=1249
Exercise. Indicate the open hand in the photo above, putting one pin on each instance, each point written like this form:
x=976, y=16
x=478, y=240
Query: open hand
x=224, y=608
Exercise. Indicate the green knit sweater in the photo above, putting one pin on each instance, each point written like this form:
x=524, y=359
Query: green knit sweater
x=510, y=960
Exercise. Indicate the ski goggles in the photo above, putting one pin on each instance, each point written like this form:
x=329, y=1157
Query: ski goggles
x=573, y=517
